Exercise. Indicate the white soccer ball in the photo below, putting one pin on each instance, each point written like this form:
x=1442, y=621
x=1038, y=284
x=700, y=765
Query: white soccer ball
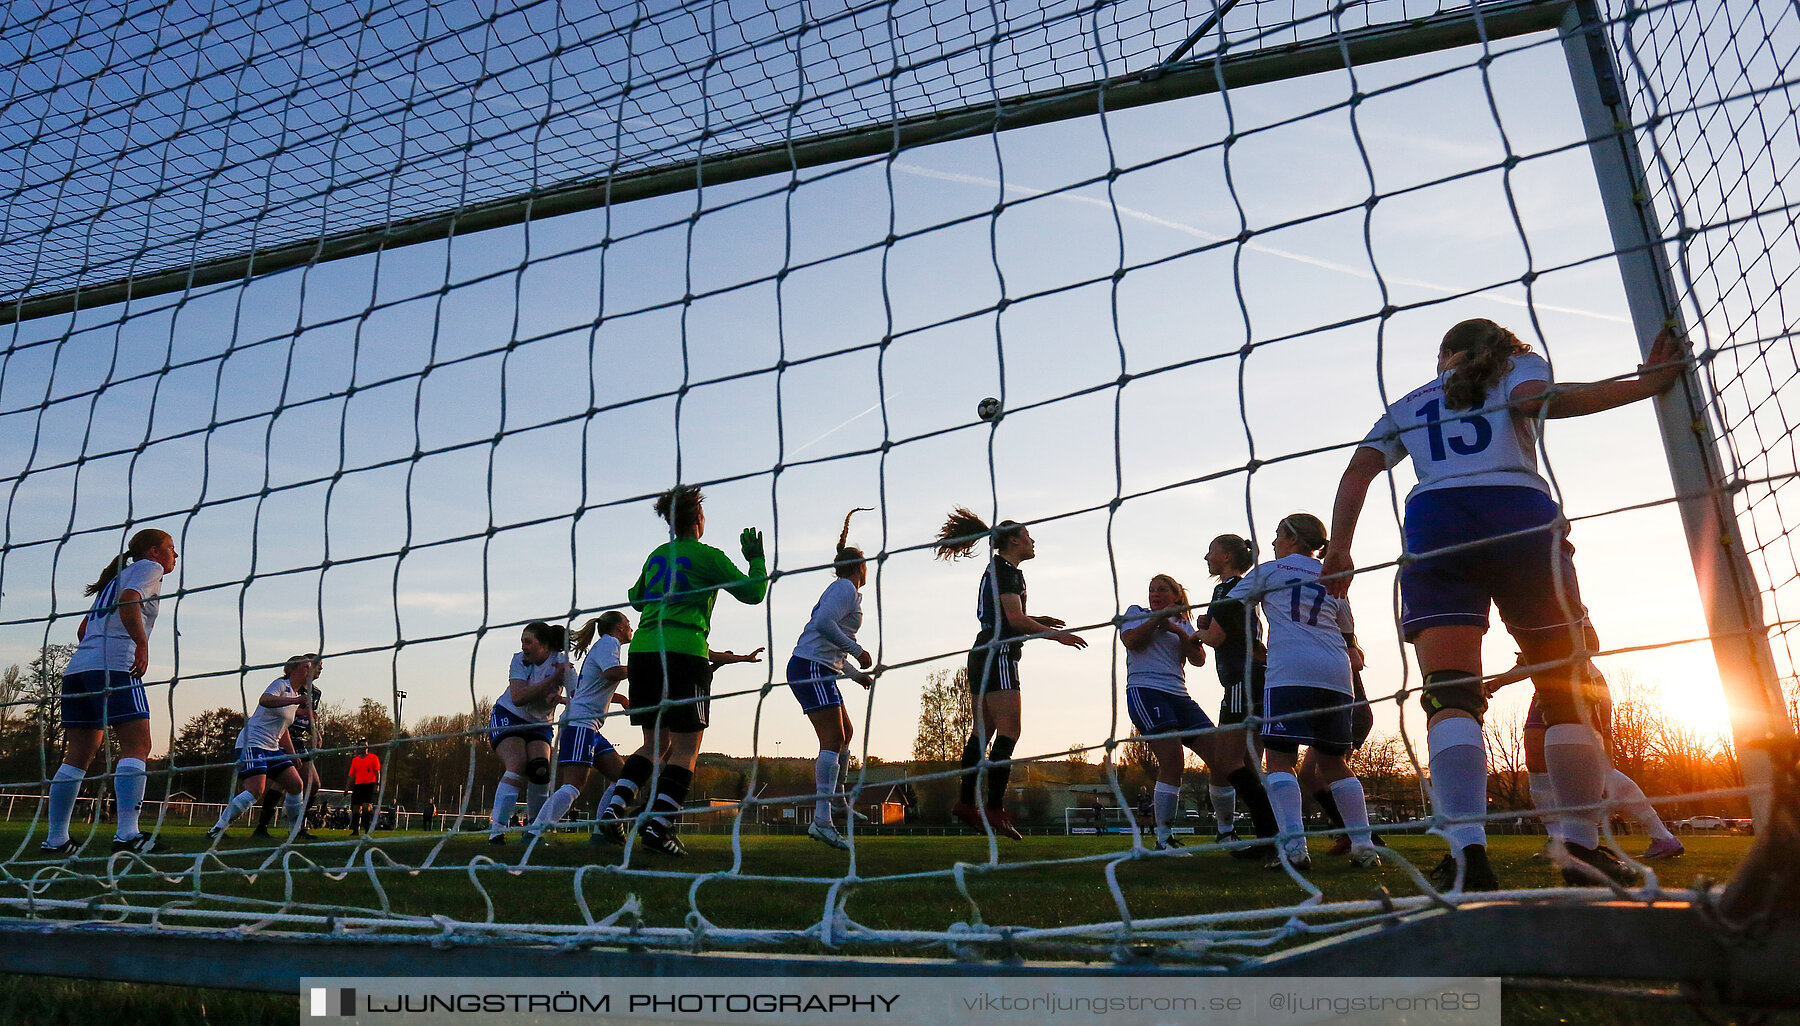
x=989, y=409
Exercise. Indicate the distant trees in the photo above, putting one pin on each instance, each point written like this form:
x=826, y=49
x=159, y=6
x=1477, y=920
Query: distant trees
x=945, y=717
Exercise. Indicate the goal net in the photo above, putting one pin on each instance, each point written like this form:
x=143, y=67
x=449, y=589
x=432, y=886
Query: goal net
x=398, y=318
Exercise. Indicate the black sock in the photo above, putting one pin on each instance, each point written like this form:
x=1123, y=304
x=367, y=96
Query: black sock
x=265, y=812
x=1250, y=789
x=671, y=791
x=632, y=777
x=971, y=755
x=1328, y=805
x=999, y=775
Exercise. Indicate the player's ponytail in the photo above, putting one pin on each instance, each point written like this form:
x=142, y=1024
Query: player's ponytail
x=848, y=557
x=141, y=544
x=583, y=638
x=962, y=529
x=1477, y=352
x=1307, y=531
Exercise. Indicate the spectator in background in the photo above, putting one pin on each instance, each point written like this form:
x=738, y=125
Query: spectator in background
x=365, y=777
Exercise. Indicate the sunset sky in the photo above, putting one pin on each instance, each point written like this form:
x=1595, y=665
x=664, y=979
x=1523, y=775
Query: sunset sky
x=391, y=390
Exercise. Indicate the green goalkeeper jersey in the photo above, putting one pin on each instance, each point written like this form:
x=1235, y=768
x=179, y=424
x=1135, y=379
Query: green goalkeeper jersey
x=676, y=591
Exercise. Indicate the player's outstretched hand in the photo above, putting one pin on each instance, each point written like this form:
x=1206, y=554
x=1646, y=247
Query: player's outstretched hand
x=1669, y=356
x=1071, y=640
x=1338, y=561
x=751, y=540
x=1050, y=621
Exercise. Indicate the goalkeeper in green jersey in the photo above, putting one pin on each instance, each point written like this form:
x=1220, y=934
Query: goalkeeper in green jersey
x=670, y=671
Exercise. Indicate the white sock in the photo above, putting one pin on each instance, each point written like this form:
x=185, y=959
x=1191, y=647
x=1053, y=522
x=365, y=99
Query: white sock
x=535, y=797
x=606, y=798
x=843, y=780
x=1577, y=766
x=1543, y=799
x=1351, y=804
x=1167, y=797
x=235, y=808
x=1459, y=778
x=1284, y=797
x=65, y=787
x=295, y=805
x=1224, y=801
x=825, y=773
x=1625, y=791
x=557, y=807
x=506, y=795
x=128, y=788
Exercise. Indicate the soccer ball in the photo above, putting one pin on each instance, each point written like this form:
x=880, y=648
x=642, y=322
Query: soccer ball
x=989, y=409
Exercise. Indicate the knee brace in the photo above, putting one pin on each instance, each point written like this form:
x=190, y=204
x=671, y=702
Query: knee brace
x=538, y=771
x=1453, y=689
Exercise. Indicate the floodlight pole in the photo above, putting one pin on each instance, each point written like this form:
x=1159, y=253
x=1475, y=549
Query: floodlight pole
x=1729, y=593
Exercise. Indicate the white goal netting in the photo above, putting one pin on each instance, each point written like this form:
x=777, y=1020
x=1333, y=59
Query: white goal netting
x=398, y=317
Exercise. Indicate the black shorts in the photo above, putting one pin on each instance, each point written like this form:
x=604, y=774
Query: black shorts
x=362, y=794
x=993, y=669
x=1362, y=717
x=1242, y=698
x=689, y=677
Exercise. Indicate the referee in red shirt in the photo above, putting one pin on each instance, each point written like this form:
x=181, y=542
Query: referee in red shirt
x=365, y=777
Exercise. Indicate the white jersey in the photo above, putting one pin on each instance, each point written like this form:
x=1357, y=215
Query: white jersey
x=592, y=692
x=106, y=645
x=1461, y=448
x=541, y=710
x=1162, y=665
x=1307, y=624
x=830, y=634
x=264, y=727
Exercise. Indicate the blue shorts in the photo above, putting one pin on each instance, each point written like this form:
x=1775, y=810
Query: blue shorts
x=1154, y=711
x=1293, y=717
x=814, y=684
x=579, y=745
x=257, y=762
x=1519, y=574
x=504, y=724
x=95, y=698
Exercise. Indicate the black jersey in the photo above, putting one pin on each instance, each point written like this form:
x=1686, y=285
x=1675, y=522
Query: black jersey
x=1000, y=578
x=1240, y=632
x=300, y=731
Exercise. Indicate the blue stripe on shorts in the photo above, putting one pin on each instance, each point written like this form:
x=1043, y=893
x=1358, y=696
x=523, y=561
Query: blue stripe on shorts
x=814, y=684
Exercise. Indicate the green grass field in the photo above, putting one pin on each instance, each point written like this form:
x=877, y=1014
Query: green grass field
x=1053, y=891
x=1033, y=885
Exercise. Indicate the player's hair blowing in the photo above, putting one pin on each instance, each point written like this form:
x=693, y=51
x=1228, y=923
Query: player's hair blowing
x=680, y=506
x=1478, y=353
x=141, y=544
x=962, y=529
x=605, y=623
x=555, y=638
x=848, y=556
x=1241, y=552
x=1307, y=529
x=1181, y=595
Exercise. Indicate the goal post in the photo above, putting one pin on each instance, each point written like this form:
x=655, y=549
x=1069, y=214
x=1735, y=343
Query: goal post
x=1729, y=591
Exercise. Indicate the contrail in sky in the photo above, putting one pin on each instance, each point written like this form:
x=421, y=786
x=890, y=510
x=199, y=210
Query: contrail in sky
x=842, y=426
x=1200, y=233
